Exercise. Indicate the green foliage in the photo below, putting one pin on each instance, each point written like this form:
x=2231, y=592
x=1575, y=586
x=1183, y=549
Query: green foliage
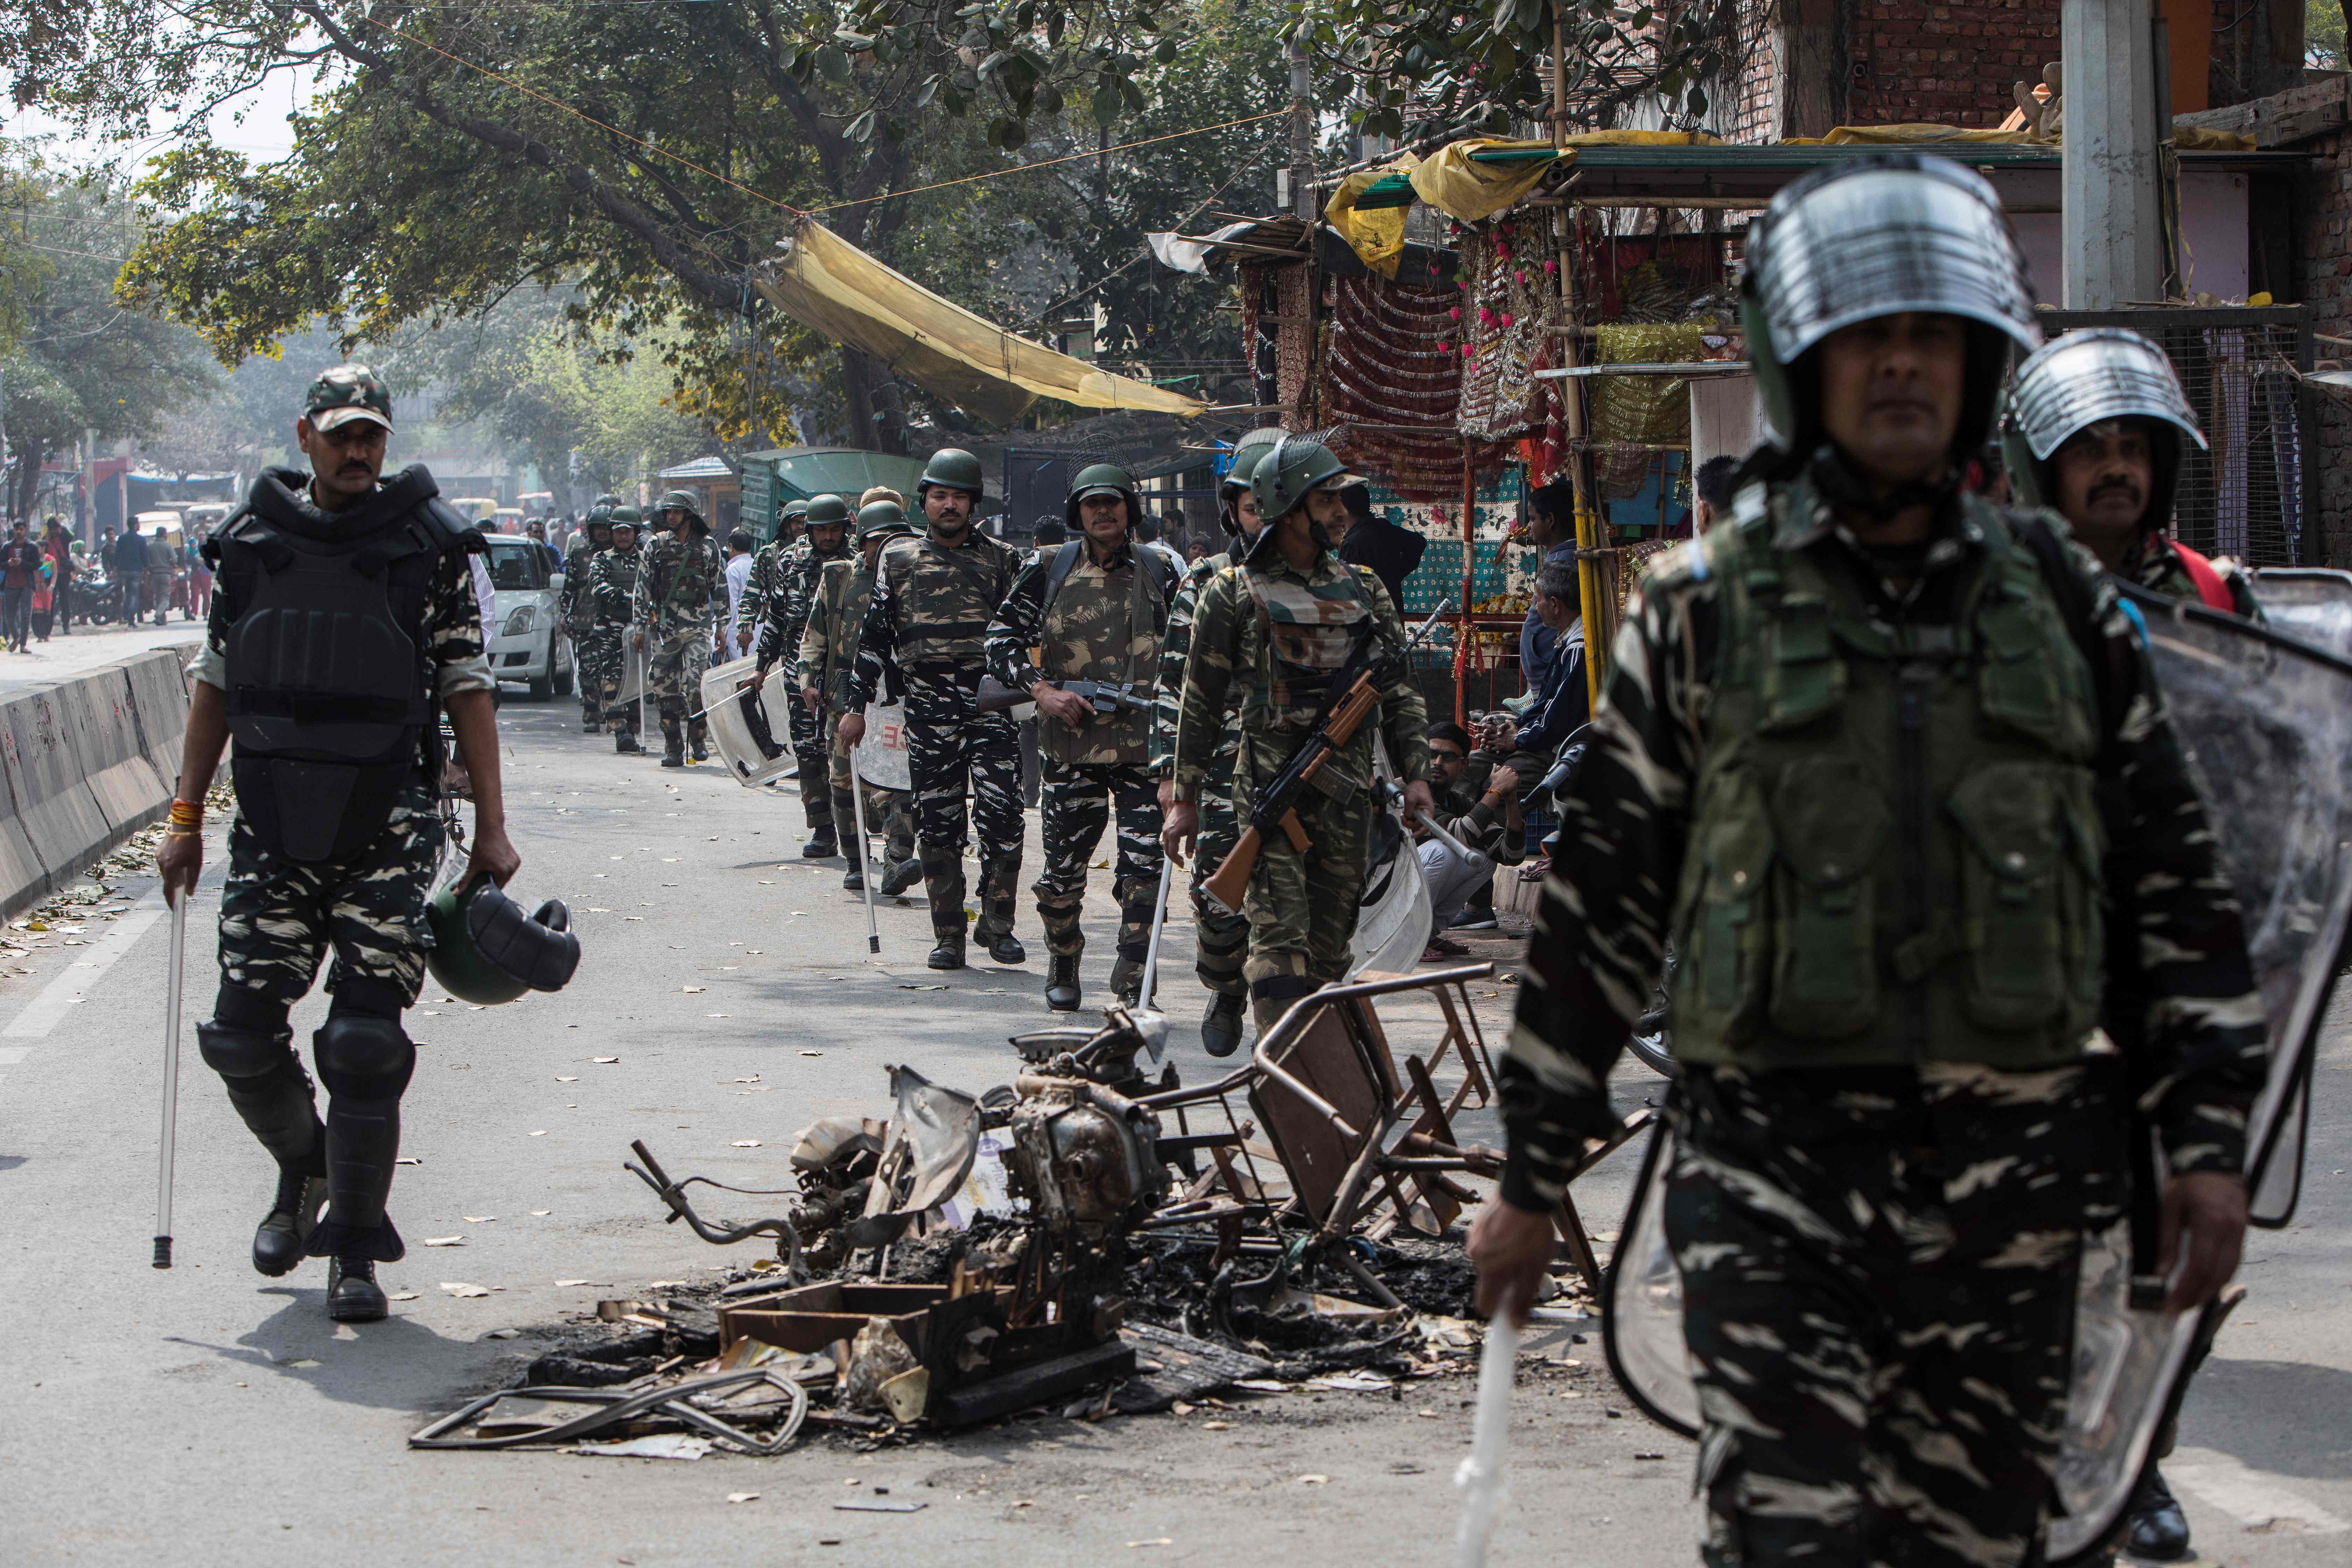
x=2323, y=35
x=82, y=360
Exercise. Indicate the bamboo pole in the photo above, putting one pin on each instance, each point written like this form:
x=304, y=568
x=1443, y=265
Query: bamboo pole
x=1587, y=530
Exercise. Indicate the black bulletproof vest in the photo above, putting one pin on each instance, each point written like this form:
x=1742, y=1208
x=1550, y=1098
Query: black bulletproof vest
x=331, y=694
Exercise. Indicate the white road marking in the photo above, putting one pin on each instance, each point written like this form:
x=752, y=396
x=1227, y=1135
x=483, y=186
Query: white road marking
x=2256, y=1500
x=59, y=996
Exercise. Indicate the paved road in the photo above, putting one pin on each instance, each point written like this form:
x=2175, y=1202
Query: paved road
x=89, y=647
x=207, y=1415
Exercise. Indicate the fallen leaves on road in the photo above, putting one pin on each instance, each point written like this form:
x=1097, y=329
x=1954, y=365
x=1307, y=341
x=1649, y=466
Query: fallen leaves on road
x=444, y=1241
x=691, y=990
x=402, y=1296
x=1314, y=1481
x=745, y=1143
x=479, y=1218
x=604, y=1060
x=462, y=1290
x=742, y=1497
x=567, y=1080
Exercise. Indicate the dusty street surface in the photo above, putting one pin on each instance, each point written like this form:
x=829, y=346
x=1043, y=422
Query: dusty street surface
x=90, y=646
x=207, y=1415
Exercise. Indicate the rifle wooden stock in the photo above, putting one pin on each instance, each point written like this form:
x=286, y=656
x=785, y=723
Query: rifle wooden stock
x=1231, y=880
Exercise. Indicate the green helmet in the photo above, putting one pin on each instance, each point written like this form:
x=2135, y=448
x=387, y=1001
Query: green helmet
x=826, y=511
x=1289, y=471
x=487, y=950
x=1102, y=479
x=684, y=500
x=606, y=503
x=795, y=510
x=950, y=469
x=601, y=512
x=623, y=517
x=1252, y=446
x=881, y=518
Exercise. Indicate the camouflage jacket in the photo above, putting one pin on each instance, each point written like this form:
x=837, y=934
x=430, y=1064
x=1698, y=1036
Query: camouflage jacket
x=575, y=604
x=933, y=605
x=1234, y=641
x=766, y=579
x=784, y=611
x=829, y=644
x=611, y=587
x=2154, y=565
x=1175, y=648
x=1607, y=909
x=681, y=584
x=1104, y=624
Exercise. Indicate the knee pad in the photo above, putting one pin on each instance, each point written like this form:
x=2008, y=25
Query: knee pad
x=363, y=1057
x=235, y=1052
x=238, y=1008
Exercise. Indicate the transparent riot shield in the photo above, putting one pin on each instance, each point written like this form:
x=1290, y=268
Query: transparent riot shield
x=881, y=757
x=2267, y=721
x=752, y=731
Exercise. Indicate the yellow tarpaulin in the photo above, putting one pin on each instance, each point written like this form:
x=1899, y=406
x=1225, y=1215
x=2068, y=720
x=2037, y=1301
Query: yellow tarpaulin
x=2185, y=138
x=828, y=284
x=1468, y=191
x=1376, y=237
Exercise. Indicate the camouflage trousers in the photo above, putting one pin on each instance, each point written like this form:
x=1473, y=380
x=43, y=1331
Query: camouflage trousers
x=809, y=743
x=1302, y=908
x=1879, y=1284
x=604, y=660
x=590, y=709
x=951, y=752
x=279, y=917
x=1077, y=802
x=1221, y=939
x=888, y=811
x=678, y=655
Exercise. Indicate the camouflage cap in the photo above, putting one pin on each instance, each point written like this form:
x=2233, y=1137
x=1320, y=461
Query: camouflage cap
x=346, y=393
x=623, y=517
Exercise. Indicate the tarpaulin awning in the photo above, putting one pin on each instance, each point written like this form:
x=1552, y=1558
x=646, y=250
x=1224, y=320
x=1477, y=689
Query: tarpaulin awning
x=2185, y=138
x=828, y=284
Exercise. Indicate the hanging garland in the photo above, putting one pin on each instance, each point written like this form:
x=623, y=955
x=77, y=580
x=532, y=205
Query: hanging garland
x=1510, y=307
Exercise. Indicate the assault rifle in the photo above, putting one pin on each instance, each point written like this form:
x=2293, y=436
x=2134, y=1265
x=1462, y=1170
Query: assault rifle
x=1355, y=691
x=995, y=697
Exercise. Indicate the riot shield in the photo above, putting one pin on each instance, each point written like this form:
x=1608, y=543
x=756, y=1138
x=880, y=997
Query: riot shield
x=750, y=730
x=2267, y=721
x=2309, y=603
x=1393, y=915
x=881, y=756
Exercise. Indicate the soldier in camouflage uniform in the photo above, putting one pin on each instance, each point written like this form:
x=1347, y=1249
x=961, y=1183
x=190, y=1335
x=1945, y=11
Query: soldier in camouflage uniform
x=933, y=598
x=2095, y=430
x=1849, y=761
x=783, y=617
x=336, y=837
x=1221, y=935
x=575, y=606
x=767, y=579
x=1283, y=621
x=612, y=596
x=1093, y=609
x=674, y=615
x=828, y=648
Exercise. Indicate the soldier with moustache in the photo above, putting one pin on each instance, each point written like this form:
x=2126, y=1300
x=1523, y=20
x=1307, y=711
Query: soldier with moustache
x=1221, y=936
x=934, y=596
x=1094, y=610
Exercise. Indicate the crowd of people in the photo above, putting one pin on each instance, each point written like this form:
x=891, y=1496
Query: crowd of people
x=53, y=580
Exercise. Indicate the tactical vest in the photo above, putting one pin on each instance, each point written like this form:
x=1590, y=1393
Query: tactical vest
x=620, y=570
x=842, y=601
x=1102, y=626
x=329, y=683
x=1306, y=633
x=1894, y=853
x=682, y=571
x=946, y=598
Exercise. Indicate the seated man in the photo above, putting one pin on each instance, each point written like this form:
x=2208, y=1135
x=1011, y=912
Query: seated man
x=1479, y=806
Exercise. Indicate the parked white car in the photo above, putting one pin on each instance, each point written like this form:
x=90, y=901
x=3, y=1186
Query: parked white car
x=528, y=644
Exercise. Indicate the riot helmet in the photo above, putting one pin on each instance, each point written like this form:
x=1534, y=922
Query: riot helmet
x=1247, y=452
x=487, y=950
x=1292, y=469
x=623, y=517
x=2086, y=378
x=953, y=468
x=1889, y=235
x=1102, y=480
x=880, y=519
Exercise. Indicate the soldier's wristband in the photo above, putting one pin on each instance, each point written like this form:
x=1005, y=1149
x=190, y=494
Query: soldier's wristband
x=187, y=812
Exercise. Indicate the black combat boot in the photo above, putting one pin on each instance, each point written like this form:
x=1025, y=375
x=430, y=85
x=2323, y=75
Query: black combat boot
x=698, y=742
x=822, y=845
x=1127, y=979
x=1220, y=1026
x=352, y=1294
x=852, y=880
x=898, y=875
x=283, y=1239
x=1062, y=983
x=2158, y=1531
x=995, y=928
x=625, y=741
x=590, y=721
x=673, y=743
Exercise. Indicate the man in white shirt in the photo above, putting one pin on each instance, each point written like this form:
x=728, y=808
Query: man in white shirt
x=739, y=572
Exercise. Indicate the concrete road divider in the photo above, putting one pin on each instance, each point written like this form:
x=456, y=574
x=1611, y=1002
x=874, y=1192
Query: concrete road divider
x=85, y=763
